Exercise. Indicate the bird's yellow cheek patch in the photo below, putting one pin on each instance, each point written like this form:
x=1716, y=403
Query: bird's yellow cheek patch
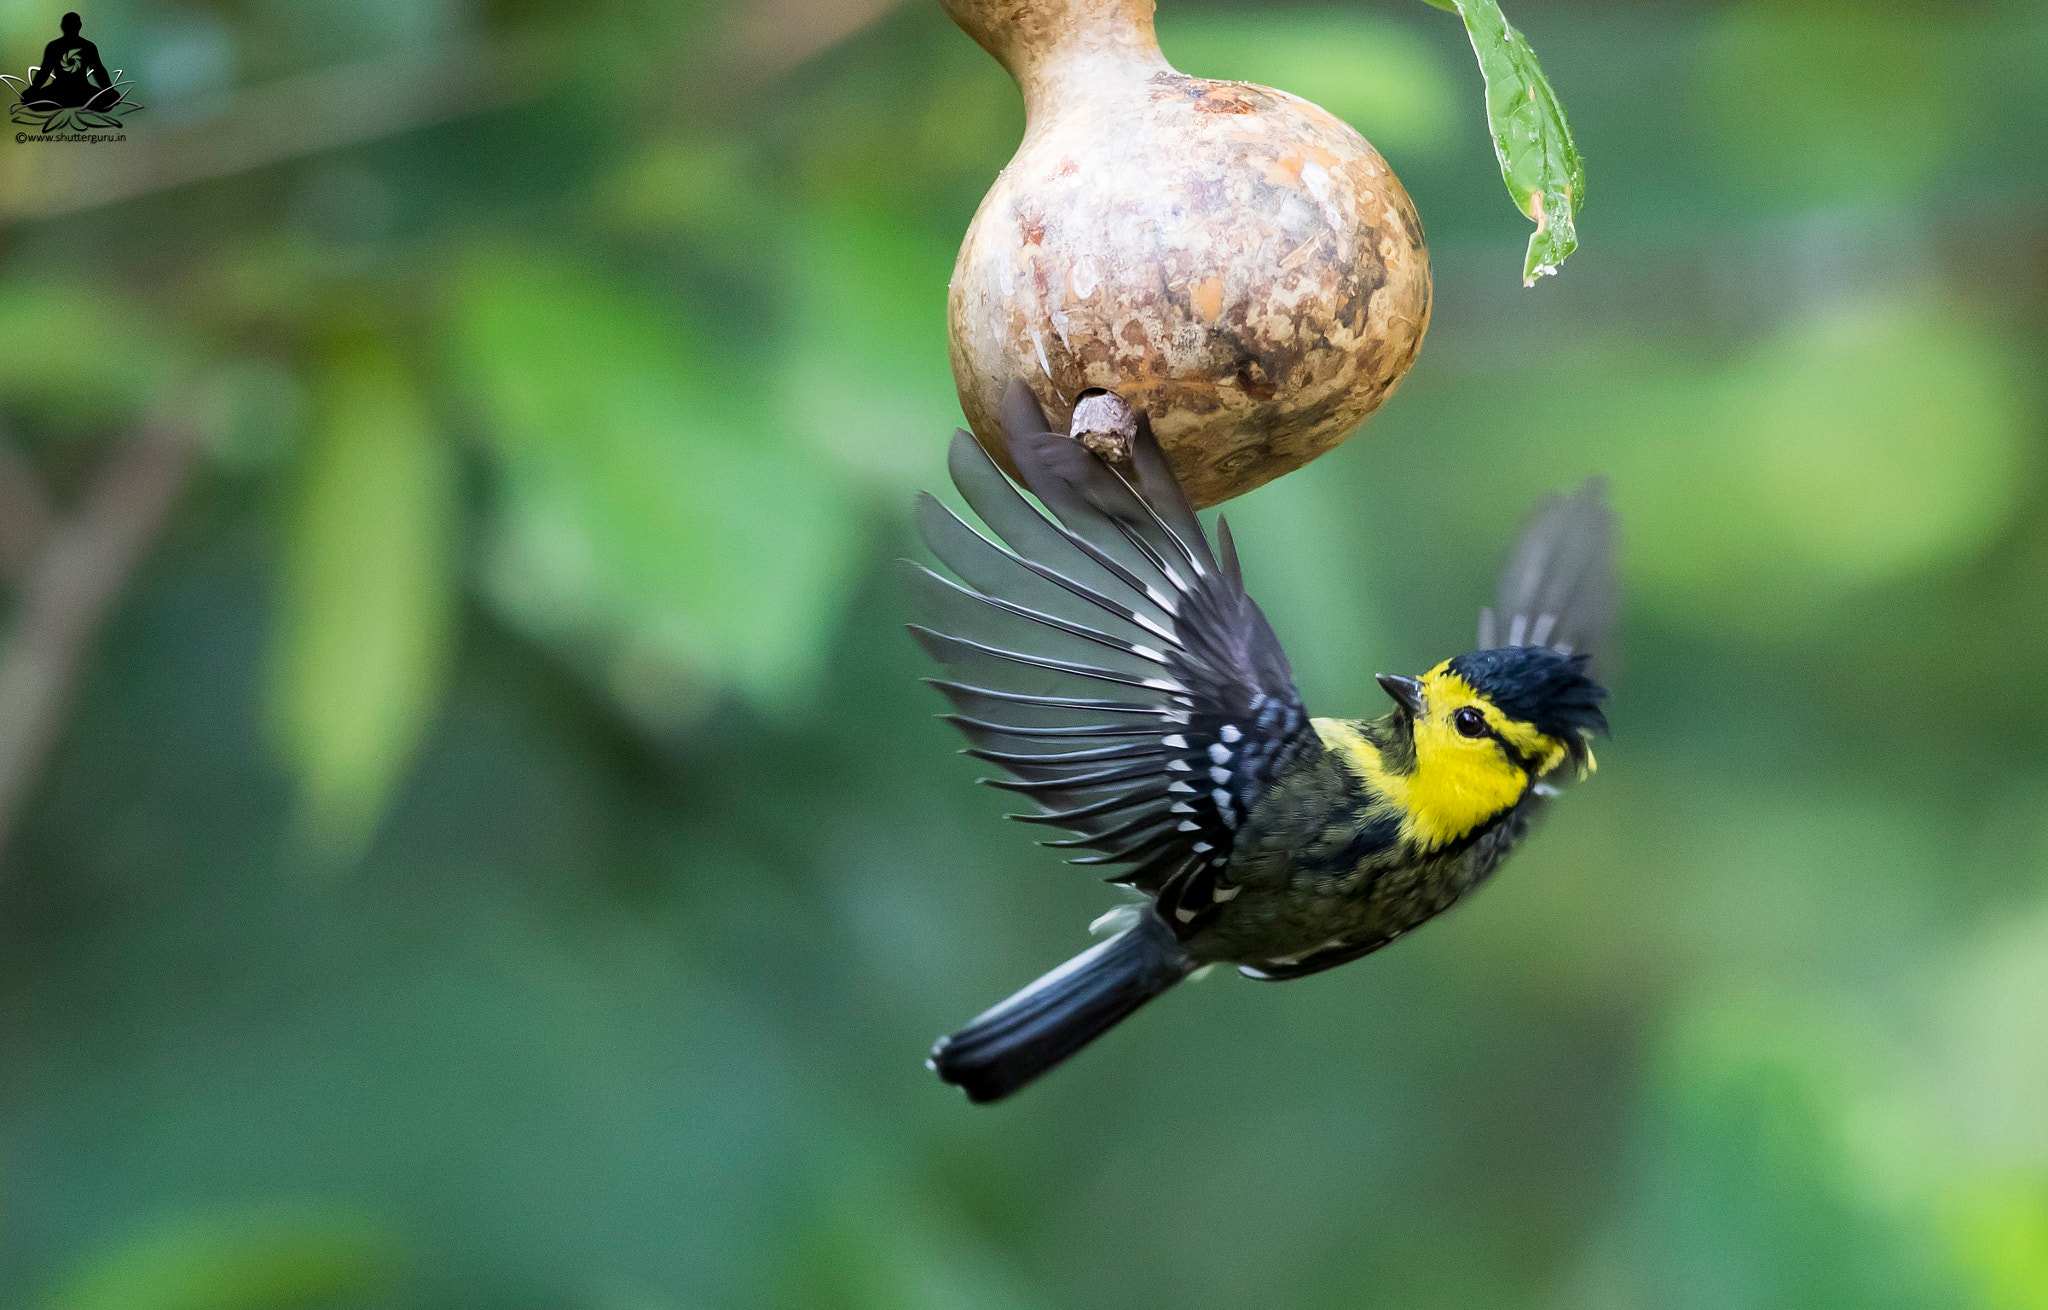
x=1457, y=785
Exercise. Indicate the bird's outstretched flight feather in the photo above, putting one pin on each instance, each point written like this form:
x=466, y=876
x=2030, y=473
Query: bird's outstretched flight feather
x=1104, y=656
x=1558, y=587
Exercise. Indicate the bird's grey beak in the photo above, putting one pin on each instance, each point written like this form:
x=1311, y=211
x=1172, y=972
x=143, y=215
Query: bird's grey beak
x=1407, y=692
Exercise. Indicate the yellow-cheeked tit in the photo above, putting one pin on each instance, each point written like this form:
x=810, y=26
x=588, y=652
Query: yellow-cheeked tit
x=1109, y=660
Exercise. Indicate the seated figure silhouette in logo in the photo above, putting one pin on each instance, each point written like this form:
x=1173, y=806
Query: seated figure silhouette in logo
x=72, y=76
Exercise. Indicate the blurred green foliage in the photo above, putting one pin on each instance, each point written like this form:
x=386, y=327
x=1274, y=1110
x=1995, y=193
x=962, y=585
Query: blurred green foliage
x=234, y=1262
x=364, y=603
x=635, y=463
x=536, y=594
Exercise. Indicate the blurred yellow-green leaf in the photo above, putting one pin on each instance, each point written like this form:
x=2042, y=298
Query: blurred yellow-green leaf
x=282, y=1260
x=1857, y=443
x=364, y=611
x=1862, y=443
x=1998, y=1236
x=634, y=462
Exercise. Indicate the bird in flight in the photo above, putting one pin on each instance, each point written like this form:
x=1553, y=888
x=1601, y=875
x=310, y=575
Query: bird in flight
x=1103, y=654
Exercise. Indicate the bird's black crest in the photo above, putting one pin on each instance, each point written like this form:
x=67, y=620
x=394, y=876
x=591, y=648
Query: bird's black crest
x=1539, y=686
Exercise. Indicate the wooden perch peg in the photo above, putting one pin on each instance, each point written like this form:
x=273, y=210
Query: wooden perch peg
x=1105, y=424
x=1235, y=262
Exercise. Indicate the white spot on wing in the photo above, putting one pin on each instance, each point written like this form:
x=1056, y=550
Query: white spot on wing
x=1115, y=919
x=1164, y=634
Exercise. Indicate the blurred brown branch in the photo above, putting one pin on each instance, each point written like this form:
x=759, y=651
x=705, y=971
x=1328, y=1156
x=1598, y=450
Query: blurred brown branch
x=376, y=98
x=770, y=37
x=295, y=116
x=66, y=585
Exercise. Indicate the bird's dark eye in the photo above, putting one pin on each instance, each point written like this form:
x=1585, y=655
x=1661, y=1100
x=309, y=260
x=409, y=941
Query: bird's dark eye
x=1470, y=722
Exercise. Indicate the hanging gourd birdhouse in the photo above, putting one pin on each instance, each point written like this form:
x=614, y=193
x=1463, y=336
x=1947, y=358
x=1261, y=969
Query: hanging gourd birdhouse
x=1234, y=262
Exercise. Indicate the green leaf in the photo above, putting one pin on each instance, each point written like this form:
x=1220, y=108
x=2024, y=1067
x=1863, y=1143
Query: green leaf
x=1538, y=159
x=366, y=610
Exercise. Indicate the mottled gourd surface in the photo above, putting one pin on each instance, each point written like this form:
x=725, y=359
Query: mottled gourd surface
x=1232, y=260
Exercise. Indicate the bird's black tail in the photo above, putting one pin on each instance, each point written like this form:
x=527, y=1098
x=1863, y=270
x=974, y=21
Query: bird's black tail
x=1010, y=1045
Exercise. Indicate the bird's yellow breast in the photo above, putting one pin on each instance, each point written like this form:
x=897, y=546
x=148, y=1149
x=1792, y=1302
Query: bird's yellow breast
x=1443, y=799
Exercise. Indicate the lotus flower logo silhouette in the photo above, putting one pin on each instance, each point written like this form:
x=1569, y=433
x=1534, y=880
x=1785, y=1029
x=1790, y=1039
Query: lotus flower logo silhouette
x=71, y=90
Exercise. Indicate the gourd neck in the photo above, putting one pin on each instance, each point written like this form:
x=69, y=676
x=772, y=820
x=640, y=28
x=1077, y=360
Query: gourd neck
x=1062, y=51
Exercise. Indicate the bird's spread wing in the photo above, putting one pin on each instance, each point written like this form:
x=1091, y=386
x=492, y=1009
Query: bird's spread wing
x=1558, y=588
x=1107, y=658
